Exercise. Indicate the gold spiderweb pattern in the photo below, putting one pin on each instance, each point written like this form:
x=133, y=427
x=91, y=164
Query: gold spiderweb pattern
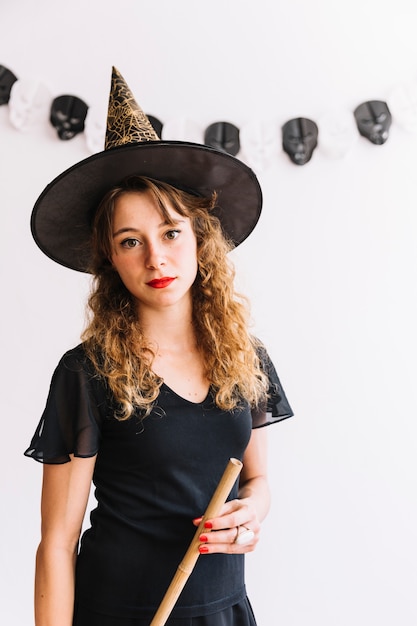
x=126, y=122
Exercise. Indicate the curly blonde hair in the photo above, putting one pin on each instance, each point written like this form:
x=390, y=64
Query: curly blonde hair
x=114, y=340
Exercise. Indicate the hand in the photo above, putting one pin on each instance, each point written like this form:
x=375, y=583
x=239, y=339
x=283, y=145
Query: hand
x=235, y=531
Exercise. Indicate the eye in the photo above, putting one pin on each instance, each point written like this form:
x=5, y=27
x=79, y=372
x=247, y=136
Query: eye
x=130, y=242
x=172, y=234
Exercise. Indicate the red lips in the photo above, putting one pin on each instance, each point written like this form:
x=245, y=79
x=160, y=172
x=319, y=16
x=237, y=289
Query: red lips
x=160, y=283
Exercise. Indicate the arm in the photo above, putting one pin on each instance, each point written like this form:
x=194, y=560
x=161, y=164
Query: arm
x=254, y=476
x=65, y=492
x=250, y=509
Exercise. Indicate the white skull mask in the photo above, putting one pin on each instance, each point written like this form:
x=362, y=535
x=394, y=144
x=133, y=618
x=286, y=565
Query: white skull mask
x=403, y=105
x=95, y=128
x=259, y=141
x=28, y=104
x=182, y=129
x=338, y=133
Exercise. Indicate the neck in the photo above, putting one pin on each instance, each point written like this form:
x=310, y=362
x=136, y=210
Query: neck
x=168, y=329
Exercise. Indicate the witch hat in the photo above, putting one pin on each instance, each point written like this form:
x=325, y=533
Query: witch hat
x=62, y=215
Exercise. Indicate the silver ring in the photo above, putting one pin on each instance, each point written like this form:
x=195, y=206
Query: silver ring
x=244, y=537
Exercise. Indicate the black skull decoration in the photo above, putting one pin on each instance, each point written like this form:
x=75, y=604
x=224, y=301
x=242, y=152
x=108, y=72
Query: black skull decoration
x=156, y=124
x=7, y=80
x=223, y=136
x=299, y=139
x=68, y=115
x=373, y=120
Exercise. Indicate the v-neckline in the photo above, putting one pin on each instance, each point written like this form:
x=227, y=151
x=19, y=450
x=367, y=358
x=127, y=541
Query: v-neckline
x=170, y=389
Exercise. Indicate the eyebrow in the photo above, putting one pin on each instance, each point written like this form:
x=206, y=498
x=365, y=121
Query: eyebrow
x=131, y=229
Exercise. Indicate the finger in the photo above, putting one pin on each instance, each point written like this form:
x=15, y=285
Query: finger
x=232, y=540
x=244, y=536
x=227, y=548
x=218, y=536
x=234, y=513
x=238, y=520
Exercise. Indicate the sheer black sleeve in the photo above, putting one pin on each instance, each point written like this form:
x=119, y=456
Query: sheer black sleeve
x=70, y=423
x=276, y=408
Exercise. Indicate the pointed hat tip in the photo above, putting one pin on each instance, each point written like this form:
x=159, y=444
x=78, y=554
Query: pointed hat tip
x=126, y=122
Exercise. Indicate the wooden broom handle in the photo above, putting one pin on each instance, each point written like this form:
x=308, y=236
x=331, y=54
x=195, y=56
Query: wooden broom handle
x=186, y=566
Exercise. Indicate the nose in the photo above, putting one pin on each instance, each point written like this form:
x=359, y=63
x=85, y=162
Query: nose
x=154, y=256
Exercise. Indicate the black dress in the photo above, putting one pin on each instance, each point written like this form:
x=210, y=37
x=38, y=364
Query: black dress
x=152, y=477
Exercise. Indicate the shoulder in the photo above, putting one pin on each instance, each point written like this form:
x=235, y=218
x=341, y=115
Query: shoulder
x=75, y=370
x=278, y=407
x=262, y=354
x=76, y=360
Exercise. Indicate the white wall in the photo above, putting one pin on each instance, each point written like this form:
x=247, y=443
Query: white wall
x=331, y=271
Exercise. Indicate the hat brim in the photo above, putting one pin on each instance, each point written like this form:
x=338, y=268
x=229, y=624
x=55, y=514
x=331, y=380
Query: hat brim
x=61, y=217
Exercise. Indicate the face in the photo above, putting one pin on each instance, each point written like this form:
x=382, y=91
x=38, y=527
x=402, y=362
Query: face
x=373, y=120
x=156, y=261
x=299, y=139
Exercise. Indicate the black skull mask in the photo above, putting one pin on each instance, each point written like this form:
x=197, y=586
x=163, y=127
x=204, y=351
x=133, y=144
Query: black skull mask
x=299, y=139
x=223, y=136
x=68, y=115
x=156, y=124
x=7, y=79
x=373, y=120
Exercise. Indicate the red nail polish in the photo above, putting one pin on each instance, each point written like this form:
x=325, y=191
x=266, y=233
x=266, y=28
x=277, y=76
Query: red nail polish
x=203, y=549
x=203, y=538
x=208, y=525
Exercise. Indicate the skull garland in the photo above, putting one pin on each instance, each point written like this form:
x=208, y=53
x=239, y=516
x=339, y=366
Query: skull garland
x=373, y=120
x=338, y=133
x=28, y=104
x=183, y=129
x=7, y=79
x=68, y=115
x=223, y=136
x=299, y=139
x=156, y=124
x=403, y=105
x=259, y=140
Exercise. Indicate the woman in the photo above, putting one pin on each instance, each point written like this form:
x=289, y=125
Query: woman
x=167, y=385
